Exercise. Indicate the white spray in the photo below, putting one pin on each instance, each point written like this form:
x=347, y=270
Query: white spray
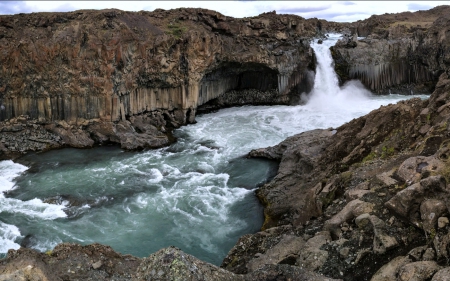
x=326, y=94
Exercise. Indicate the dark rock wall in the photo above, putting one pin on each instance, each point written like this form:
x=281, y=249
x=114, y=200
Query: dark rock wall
x=403, y=53
x=111, y=64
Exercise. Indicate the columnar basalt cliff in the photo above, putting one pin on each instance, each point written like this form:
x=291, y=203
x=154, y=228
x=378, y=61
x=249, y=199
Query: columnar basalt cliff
x=402, y=52
x=84, y=75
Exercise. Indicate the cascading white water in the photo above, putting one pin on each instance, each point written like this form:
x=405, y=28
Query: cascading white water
x=196, y=194
x=326, y=94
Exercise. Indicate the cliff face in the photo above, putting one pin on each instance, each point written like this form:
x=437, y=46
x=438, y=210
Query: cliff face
x=404, y=52
x=102, y=67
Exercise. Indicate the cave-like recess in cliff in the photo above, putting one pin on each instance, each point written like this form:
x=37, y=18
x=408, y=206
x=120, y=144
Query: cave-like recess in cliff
x=237, y=76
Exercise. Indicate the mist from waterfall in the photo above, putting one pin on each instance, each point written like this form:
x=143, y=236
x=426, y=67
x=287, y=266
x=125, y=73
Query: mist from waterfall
x=326, y=94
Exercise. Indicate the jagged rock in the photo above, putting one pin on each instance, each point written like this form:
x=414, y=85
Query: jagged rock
x=442, y=245
x=386, y=179
x=353, y=194
x=251, y=246
x=300, y=155
x=286, y=272
x=26, y=273
x=286, y=251
x=417, y=253
x=381, y=241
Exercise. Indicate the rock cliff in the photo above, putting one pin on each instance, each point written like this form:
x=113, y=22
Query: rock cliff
x=92, y=77
x=403, y=53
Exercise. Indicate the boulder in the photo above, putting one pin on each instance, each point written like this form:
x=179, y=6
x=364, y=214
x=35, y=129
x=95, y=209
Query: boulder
x=406, y=203
x=353, y=209
x=388, y=272
x=418, y=271
x=442, y=275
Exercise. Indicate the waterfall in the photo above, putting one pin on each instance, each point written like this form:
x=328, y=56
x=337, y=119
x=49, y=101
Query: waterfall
x=326, y=94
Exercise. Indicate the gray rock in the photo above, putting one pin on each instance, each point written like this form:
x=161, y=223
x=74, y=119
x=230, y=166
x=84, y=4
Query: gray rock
x=430, y=211
x=388, y=272
x=353, y=209
x=288, y=248
x=442, y=275
x=418, y=271
x=406, y=202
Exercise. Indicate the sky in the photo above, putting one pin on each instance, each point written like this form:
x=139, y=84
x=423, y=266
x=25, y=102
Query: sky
x=340, y=11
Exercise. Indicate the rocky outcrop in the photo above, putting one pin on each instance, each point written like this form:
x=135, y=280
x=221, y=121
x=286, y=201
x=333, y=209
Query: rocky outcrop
x=98, y=262
x=402, y=53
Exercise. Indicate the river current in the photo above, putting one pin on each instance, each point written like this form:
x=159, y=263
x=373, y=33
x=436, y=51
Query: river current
x=197, y=194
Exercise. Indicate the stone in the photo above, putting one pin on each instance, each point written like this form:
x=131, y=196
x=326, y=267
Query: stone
x=442, y=222
x=406, y=202
x=351, y=210
x=289, y=247
x=386, y=180
x=411, y=169
x=343, y=252
x=430, y=211
x=442, y=275
x=353, y=194
x=388, y=272
x=429, y=254
x=381, y=241
x=97, y=265
x=418, y=271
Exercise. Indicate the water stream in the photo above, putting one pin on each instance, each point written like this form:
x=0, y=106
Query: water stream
x=197, y=194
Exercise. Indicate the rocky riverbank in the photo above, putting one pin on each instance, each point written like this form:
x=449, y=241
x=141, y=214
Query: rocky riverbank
x=366, y=201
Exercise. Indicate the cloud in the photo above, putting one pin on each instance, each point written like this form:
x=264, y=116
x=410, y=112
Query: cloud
x=11, y=7
x=302, y=10
x=348, y=3
x=417, y=6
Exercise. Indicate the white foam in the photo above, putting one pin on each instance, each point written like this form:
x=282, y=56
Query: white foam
x=155, y=176
x=32, y=208
x=8, y=234
x=8, y=171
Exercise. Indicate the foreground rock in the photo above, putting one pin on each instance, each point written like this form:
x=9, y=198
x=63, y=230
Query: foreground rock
x=98, y=262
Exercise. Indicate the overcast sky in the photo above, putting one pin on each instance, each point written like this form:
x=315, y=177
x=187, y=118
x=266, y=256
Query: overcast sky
x=330, y=10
